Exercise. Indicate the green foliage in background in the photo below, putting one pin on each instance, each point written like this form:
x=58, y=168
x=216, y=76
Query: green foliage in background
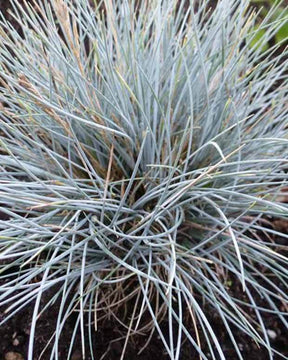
x=280, y=15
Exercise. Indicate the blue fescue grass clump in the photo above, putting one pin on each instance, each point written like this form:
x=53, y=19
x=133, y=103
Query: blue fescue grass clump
x=143, y=153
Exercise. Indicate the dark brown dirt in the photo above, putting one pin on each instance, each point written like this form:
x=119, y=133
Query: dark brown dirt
x=14, y=338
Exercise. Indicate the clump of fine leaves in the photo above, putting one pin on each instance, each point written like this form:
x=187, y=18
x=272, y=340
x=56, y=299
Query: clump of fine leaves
x=143, y=157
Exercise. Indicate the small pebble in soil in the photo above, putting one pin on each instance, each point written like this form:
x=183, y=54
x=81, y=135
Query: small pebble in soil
x=272, y=334
x=16, y=342
x=13, y=356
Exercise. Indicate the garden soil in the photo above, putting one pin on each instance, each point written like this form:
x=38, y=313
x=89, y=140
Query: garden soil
x=14, y=338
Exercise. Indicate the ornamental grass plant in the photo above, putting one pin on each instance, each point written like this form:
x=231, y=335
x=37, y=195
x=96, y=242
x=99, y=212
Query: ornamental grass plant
x=143, y=158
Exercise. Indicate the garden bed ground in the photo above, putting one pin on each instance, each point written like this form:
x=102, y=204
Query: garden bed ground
x=14, y=339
